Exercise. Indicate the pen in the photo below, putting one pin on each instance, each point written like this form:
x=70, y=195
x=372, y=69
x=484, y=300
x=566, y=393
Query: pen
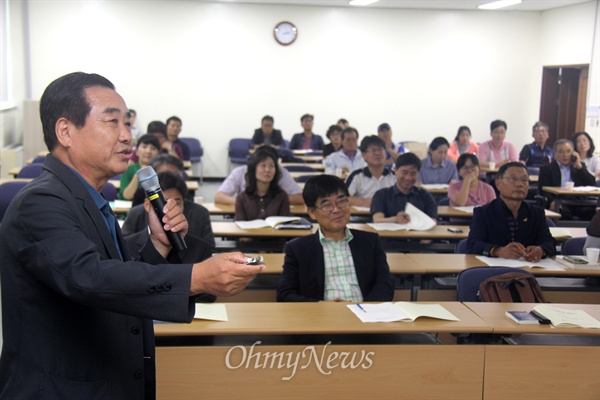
x=359, y=306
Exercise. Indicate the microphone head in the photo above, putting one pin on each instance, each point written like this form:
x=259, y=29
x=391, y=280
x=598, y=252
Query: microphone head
x=148, y=179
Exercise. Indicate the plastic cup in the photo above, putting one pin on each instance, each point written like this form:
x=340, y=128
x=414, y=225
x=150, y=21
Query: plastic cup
x=492, y=165
x=592, y=253
x=569, y=185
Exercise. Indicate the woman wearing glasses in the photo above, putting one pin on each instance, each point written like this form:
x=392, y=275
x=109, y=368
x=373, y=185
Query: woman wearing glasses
x=470, y=190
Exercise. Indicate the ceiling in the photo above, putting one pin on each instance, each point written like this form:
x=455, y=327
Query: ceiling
x=526, y=5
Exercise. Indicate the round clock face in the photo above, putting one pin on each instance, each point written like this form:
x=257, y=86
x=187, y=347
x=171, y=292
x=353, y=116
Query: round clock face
x=285, y=33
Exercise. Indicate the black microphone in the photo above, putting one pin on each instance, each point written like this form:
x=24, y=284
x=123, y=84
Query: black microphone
x=149, y=182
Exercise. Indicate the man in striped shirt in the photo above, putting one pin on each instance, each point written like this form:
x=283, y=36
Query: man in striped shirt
x=335, y=263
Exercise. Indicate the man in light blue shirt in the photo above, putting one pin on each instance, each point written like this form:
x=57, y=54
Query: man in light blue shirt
x=348, y=159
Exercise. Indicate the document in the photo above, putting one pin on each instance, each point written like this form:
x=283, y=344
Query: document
x=466, y=209
x=435, y=186
x=560, y=233
x=121, y=204
x=562, y=318
x=419, y=221
x=399, y=311
x=546, y=263
x=361, y=208
x=585, y=188
x=213, y=312
x=276, y=223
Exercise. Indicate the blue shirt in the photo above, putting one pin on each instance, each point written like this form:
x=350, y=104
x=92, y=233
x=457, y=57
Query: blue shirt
x=535, y=156
x=565, y=174
x=390, y=201
x=442, y=173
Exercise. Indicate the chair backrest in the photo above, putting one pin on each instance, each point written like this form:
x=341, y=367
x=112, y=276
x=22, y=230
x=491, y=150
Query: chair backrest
x=38, y=159
x=303, y=178
x=109, y=192
x=533, y=170
x=30, y=171
x=300, y=168
x=573, y=247
x=468, y=281
x=8, y=190
x=195, y=147
x=461, y=247
x=239, y=150
x=286, y=143
x=550, y=222
x=444, y=201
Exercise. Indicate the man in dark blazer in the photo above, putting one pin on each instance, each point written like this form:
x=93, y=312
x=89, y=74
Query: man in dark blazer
x=76, y=309
x=299, y=139
x=567, y=166
x=508, y=227
x=266, y=134
x=335, y=263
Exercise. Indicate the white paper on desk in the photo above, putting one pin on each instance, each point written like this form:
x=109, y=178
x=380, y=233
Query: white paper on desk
x=121, y=204
x=270, y=222
x=546, y=263
x=435, y=186
x=466, y=209
x=560, y=232
x=361, y=208
x=213, y=312
x=384, y=312
x=419, y=221
x=585, y=188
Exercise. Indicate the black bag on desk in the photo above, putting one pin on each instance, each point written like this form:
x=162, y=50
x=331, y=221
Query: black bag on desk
x=511, y=287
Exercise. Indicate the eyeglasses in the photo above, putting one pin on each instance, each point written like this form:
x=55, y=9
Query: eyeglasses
x=341, y=203
x=511, y=179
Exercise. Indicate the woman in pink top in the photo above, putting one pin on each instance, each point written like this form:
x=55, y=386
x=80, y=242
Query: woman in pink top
x=462, y=144
x=469, y=191
x=497, y=150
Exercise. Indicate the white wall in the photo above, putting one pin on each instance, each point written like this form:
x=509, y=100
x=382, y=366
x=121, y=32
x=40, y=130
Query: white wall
x=218, y=67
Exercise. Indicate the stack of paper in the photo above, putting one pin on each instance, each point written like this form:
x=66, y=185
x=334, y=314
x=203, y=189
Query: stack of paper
x=546, y=263
x=568, y=318
x=419, y=221
x=213, y=312
x=400, y=311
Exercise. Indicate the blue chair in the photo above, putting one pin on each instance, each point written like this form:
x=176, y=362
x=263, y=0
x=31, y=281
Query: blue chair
x=38, y=160
x=239, y=151
x=573, y=247
x=286, y=143
x=8, y=191
x=196, y=153
x=461, y=247
x=550, y=222
x=300, y=168
x=109, y=192
x=467, y=284
x=303, y=178
x=444, y=201
x=30, y=171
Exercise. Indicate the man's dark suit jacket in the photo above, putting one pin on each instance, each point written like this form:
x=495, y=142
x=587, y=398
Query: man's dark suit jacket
x=550, y=176
x=303, y=277
x=197, y=250
x=77, y=321
x=198, y=221
x=490, y=228
x=259, y=137
x=316, y=141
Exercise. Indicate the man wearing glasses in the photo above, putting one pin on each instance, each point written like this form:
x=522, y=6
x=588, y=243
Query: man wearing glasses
x=363, y=183
x=335, y=263
x=508, y=227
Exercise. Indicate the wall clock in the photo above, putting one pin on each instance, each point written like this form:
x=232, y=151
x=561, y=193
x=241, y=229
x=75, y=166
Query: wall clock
x=285, y=33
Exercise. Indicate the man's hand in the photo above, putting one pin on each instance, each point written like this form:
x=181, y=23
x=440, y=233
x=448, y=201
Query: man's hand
x=533, y=253
x=174, y=220
x=513, y=250
x=576, y=160
x=402, y=218
x=225, y=274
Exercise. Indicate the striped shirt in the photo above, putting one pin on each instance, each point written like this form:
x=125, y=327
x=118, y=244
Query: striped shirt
x=340, y=275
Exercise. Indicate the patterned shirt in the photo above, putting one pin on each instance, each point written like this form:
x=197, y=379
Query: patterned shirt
x=340, y=275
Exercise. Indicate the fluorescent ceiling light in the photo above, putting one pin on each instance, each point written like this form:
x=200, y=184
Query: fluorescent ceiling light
x=362, y=2
x=499, y=4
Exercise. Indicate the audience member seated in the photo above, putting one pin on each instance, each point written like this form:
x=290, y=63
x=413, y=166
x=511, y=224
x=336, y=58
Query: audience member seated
x=593, y=233
x=392, y=150
x=348, y=158
x=537, y=154
x=198, y=217
x=343, y=123
x=147, y=148
x=197, y=249
x=469, y=191
x=266, y=134
x=307, y=140
x=363, y=183
x=174, y=126
x=388, y=204
x=462, y=144
x=497, y=149
x=135, y=131
x=334, y=134
x=585, y=148
x=436, y=168
x=335, y=263
x=508, y=227
x=566, y=167
x=159, y=129
x=235, y=183
x=262, y=197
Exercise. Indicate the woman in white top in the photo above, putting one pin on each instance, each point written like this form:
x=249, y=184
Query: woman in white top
x=584, y=146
